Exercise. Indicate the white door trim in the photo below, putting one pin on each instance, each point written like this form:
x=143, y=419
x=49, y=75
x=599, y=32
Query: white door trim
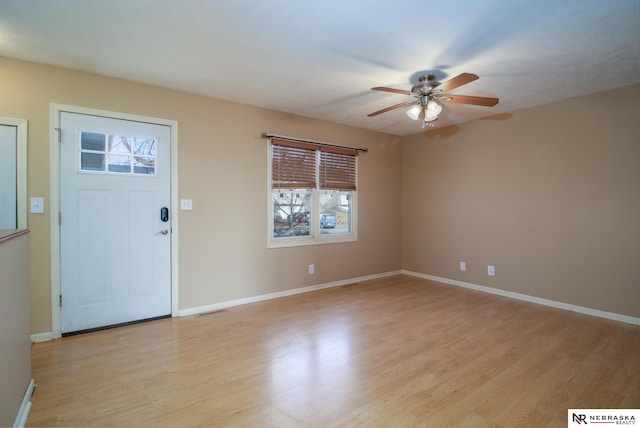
x=54, y=201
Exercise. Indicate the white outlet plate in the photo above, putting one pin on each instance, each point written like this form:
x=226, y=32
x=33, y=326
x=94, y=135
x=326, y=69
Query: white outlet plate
x=463, y=266
x=491, y=270
x=312, y=268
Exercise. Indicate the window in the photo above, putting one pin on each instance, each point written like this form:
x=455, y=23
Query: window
x=117, y=154
x=312, y=193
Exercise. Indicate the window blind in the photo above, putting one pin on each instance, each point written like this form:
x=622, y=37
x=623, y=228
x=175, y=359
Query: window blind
x=293, y=165
x=337, y=169
x=297, y=165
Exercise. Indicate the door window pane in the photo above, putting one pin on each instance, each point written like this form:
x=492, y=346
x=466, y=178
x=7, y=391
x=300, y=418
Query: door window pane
x=144, y=165
x=119, y=163
x=92, y=161
x=144, y=146
x=92, y=141
x=119, y=144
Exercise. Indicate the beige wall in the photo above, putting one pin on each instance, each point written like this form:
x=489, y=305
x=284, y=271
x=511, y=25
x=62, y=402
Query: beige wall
x=15, y=346
x=222, y=163
x=551, y=197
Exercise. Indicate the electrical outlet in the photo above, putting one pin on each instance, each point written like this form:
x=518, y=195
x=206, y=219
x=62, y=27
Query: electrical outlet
x=491, y=270
x=463, y=266
x=312, y=268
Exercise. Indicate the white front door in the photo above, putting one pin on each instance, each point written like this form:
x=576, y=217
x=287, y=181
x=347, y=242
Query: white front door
x=115, y=237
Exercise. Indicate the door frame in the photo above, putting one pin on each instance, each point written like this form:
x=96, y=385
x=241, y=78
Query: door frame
x=54, y=201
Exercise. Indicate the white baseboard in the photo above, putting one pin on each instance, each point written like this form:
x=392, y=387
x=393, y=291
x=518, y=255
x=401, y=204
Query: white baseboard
x=527, y=298
x=25, y=406
x=41, y=337
x=263, y=297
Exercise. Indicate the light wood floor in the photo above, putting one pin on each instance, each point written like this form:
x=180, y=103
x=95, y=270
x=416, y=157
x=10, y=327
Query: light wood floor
x=395, y=352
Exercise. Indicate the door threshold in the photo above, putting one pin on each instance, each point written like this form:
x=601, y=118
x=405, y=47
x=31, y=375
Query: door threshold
x=108, y=327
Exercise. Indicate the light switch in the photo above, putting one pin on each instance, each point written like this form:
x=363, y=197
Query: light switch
x=37, y=205
x=186, y=204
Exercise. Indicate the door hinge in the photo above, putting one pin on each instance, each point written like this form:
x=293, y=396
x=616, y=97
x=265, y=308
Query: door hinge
x=60, y=301
x=59, y=134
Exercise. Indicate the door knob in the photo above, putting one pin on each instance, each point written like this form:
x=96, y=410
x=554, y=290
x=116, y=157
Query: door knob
x=163, y=232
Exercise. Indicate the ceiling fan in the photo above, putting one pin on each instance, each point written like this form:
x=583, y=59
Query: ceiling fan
x=427, y=91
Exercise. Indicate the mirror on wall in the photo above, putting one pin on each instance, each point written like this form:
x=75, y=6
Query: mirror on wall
x=13, y=173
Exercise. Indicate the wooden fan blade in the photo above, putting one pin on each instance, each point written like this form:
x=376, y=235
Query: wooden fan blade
x=393, y=107
x=456, y=82
x=395, y=91
x=468, y=99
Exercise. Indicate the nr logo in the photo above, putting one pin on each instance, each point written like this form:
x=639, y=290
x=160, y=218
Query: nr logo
x=580, y=419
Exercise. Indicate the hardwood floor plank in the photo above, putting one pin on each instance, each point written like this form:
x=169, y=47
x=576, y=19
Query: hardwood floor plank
x=400, y=351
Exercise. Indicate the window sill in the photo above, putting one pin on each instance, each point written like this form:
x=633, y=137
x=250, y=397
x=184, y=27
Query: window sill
x=311, y=240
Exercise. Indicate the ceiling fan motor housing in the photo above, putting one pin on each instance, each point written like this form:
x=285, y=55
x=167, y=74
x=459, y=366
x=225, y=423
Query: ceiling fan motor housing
x=425, y=84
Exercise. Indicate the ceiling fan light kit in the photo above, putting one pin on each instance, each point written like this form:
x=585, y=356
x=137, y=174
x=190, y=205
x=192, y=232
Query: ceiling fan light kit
x=427, y=111
x=414, y=112
x=427, y=91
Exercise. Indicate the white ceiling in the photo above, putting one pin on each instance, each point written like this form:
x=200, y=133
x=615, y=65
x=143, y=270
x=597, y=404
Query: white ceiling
x=320, y=59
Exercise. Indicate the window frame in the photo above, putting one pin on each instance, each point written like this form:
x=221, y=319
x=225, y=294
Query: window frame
x=315, y=237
